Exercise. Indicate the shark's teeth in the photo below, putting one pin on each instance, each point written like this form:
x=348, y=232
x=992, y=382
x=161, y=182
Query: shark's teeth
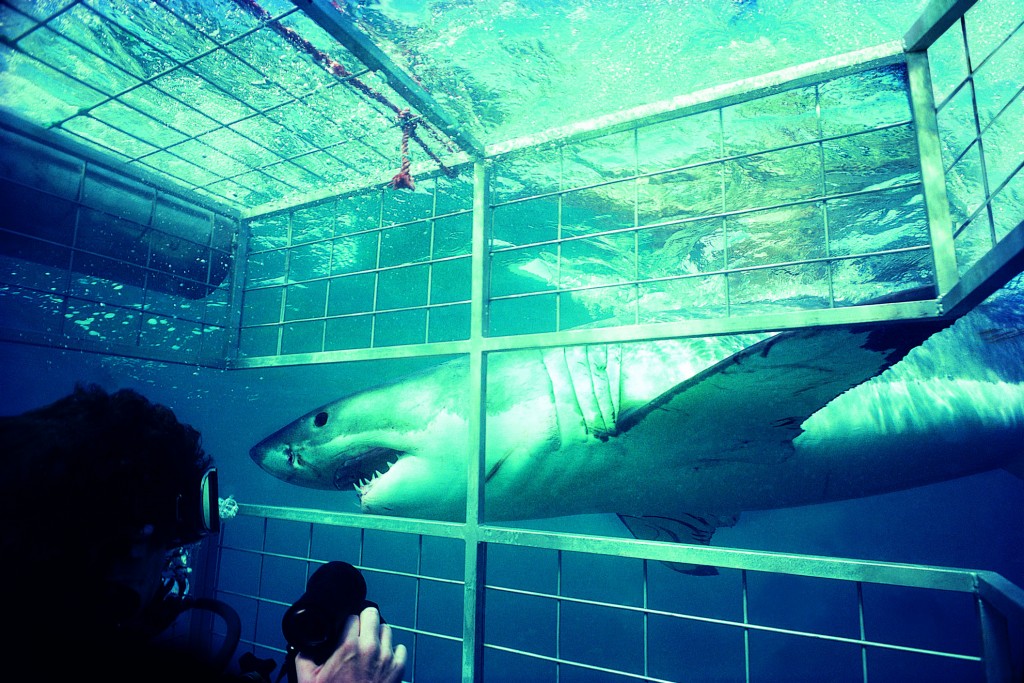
x=364, y=483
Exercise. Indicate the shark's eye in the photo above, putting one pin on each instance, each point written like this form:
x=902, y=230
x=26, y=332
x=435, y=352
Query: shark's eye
x=320, y=420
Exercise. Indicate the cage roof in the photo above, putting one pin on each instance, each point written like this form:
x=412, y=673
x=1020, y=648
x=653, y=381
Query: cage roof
x=256, y=103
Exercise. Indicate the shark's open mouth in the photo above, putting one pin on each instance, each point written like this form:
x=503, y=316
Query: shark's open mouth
x=360, y=471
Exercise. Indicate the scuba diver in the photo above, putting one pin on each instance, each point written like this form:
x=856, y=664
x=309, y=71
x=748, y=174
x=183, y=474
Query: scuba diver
x=102, y=497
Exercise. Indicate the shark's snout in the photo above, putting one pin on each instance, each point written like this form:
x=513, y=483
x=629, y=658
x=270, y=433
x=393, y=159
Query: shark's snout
x=270, y=454
x=258, y=454
x=281, y=460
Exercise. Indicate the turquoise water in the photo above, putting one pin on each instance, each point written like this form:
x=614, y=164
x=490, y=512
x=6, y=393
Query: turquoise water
x=515, y=68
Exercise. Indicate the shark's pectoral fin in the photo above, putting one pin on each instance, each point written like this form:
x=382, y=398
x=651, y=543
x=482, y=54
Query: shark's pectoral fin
x=688, y=528
x=750, y=406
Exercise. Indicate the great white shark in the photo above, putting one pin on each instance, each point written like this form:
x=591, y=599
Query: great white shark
x=679, y=436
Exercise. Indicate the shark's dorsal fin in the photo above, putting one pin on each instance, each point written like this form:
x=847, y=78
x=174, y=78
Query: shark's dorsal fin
x=696, y=528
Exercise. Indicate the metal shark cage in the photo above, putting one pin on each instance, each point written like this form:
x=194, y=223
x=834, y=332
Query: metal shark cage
x=282, y=284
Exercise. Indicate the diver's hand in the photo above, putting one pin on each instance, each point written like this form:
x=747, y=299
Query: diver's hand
x=364, y=655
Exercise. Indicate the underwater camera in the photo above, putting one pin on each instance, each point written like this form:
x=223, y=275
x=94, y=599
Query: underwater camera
x=313, y=625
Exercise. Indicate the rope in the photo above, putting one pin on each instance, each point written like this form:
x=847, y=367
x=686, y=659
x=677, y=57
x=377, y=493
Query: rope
x=337, y=69
x=404, y=179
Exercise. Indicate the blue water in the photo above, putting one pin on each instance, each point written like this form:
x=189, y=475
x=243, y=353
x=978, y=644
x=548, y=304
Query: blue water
x=974, y=522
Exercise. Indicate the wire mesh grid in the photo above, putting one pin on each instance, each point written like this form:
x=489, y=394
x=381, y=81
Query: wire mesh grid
x=416, y=579
x=94, y=258
x=979, y=92
x=371, y=269
x=185, y=92
x=684, y=205
x=670, y=221
x=761, y=616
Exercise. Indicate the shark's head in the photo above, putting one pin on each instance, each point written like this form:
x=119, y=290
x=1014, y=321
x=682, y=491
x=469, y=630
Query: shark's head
x=404, y=452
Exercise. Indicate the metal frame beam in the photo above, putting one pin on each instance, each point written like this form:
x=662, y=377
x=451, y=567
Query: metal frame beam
x=475, y=573
x=1003, y=595
x=993, y=270
x=933, y=177
x=327, y=16
x=788, y=320
x=937, y=16
x=999, y=601
x=421, y=170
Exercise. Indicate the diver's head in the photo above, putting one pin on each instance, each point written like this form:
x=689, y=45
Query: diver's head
x=99, y=489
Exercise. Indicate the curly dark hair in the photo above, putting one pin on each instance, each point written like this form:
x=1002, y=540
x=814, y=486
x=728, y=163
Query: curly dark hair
x=86, y=473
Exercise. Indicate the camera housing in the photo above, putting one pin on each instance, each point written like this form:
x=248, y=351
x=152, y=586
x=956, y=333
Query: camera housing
x=313, y=625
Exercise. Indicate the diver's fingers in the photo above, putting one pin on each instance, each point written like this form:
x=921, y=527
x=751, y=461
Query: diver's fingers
x=340, y=666
x=398, y=663
x=305, y=669
x=398, y=654
x=364, y=655
x=350, y=634
x=385, y=637
x=369, y=630
x=375, y=647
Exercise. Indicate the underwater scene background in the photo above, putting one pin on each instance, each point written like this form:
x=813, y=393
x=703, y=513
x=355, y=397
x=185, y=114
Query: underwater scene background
x=807, y=199
x=972, y=522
